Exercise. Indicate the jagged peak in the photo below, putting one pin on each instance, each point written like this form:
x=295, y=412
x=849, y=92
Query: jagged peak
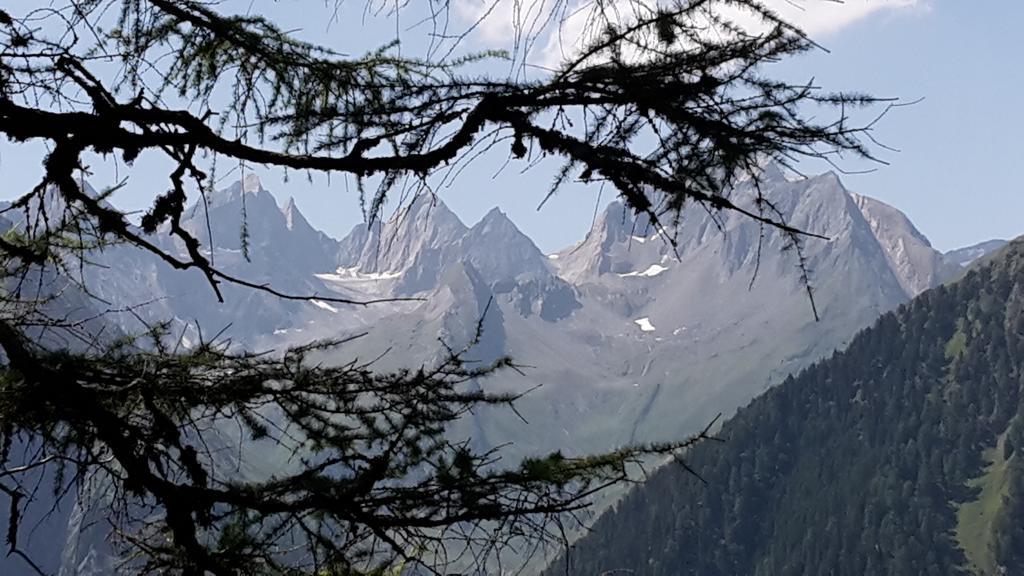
x=500, y=250
x=767, y=171
x=494, y=214
x=292, y=214
x=916, y=264
x=874, y=210
x=251, y=184
x=832, y=178
x=424, y=214
x=426, y=206
x=424, y=202
x=496, y=220
x=771, y=171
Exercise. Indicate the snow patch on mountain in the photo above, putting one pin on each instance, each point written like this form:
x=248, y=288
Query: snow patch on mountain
x=644, y=324
x=324, y=306
x=354, y=275
x=651, y=271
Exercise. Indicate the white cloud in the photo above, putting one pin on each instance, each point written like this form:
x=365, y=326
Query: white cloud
x=493, y=19
x=558, y=38
x=823, y=17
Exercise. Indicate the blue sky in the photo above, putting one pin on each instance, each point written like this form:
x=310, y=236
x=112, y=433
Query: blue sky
x=955, y=175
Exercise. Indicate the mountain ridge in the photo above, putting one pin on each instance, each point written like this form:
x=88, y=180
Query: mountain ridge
x=869, y=462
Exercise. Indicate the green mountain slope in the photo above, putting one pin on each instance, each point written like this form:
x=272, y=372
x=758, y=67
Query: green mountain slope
x=898, y=455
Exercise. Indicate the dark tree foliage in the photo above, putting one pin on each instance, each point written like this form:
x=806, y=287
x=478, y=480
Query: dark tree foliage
x=667, y=102
x=856, y=466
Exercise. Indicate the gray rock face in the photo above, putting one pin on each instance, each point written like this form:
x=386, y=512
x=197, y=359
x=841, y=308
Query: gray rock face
x=916, y=264
x=500, y=251
x=414, y=245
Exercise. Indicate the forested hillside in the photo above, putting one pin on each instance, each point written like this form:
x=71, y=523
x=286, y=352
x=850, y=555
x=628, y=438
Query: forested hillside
x=898, y=455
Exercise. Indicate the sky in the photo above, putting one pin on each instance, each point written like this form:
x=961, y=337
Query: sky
x=954, y=174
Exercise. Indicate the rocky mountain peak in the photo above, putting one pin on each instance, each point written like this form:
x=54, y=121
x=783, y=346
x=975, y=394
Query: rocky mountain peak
x=248, y=191
x=411, y=242
x=254, y=238
x=621, y=244
x=915, y=263
x=424, y=212
x=293, y=217
x=251, y=184
x=495, y=220
x=500, y=251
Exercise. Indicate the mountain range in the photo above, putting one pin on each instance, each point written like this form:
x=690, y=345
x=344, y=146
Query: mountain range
x=629, y=338
x=623, y=337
